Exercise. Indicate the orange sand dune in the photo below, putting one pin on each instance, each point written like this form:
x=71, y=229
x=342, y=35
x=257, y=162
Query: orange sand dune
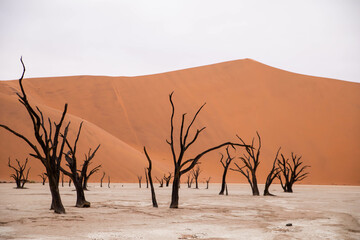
x=315, y=117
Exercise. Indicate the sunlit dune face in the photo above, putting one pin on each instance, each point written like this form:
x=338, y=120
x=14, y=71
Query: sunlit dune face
x=313, y=117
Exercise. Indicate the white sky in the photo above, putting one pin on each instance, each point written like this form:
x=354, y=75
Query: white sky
x=129, y=38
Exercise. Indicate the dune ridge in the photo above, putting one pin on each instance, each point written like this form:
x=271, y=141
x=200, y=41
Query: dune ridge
x=312, y=116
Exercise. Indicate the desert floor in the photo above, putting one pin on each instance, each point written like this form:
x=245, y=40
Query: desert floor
x=125, y=212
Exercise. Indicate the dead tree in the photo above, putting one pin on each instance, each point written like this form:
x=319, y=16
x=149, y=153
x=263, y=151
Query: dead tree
x=153, y=196
x=272, y=175
x=47, y=138
x=108, y=181
x=147, y=180
x=62, y=179
x=207, y=182
x=69, y=182
x=71, y=163
x=182, y=166
x=225, y=165
x=196, y=172
x=101, y=180
x=251, y=163
x=190, y=180
x=19, y=176
x=43, y=177
x=85, y=166
x=291, y=172
x=167, y=179
x=161, y=181
x=139, y=178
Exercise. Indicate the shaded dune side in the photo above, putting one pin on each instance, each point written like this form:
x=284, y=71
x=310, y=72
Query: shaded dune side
x=315, y=117
x=119, y=160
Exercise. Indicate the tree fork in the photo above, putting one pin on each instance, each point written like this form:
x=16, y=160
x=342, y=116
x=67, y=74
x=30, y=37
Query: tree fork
x=226, y=167
x=272, y=175
x=181, y=167
x=251, y=162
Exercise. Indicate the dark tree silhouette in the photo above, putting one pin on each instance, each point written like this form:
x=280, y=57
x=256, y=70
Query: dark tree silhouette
x=167, y=179
x=182, y=166
x=62, y=179
x=19, y=176
x=78, y=179
x=69, y=182
x=291, y=172
x=161, y=181
x=251, y=162
x=147, y=180
x=196, y=173
x=207, y=182
x=190, y=180
x=43, y=178
x=225, y=165
x=101, y=180
x=85, y=166
x=48, y=139
x=272, y=175
x=153, y=196
x=108, y=181
x=139, y=178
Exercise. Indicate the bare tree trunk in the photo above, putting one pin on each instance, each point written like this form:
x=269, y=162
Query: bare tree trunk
x=147, y=180
x=168, y=179
x=43, y=177
x=207, y=182
x=78, y=179
x=226, y=190
x=255, y=189
x=18, y=184
x=223, y=182
x=271, y=176
x=62, y=180
x=108, y=181
x=266, y=191
x=139, y=179
x=85, y=176
x=161, y=181
x=70, y=182
x=175, y=190
x=101, y=180
x=80, y=196
x=289, y=188
x=196, y=173
x=85, y=183
x=153, y=196
x=189, y=180
x=56, y=203
x=225, y=165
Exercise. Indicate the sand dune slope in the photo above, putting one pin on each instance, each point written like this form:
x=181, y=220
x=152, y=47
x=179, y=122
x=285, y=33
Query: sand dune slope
x=118, y=159
x=315, y=117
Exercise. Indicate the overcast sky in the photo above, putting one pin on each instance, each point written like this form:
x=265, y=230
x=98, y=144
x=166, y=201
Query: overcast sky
x=129, y=38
